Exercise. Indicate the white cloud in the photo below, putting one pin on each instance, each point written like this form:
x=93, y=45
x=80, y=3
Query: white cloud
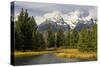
x=16, y=16
x=39, y=19
x=56, y=15
x=92, y=14
x=42, y=11
x=50, y=16
x=70, y=18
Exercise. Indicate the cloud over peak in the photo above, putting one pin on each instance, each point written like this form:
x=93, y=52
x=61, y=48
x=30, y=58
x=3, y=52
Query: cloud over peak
x=71, y=17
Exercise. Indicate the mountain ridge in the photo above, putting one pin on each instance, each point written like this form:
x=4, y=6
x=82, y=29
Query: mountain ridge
x=56, y=19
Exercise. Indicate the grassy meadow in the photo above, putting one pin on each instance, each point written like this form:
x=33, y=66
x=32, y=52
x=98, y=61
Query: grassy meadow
x=61, y=53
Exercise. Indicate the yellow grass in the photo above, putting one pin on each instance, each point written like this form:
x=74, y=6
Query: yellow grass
x=75, y=53
x=24, y=54
x=61, y=53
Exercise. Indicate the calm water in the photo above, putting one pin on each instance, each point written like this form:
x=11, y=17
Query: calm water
x=43, y=59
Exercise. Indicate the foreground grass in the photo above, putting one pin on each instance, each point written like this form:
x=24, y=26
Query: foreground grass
x=18, y=54
x=61, y=53
x=75, y=53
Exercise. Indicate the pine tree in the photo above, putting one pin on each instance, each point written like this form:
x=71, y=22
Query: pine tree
x=40, y=44
x=18, y=40
x=24, y=30
x=84, y=40
x=74, y=39
x=18, y=35
x=94, y=38
x=67, y=40
x=60, y=42
x=51, y=37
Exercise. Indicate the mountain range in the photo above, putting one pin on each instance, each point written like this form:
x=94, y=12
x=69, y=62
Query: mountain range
x=66, y=22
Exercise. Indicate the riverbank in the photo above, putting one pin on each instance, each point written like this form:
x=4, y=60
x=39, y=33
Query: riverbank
x=19, y=54
x=75, y=53
x=61, y=53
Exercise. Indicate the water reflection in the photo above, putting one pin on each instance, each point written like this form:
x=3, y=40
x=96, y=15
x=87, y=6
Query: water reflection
x=43, y=59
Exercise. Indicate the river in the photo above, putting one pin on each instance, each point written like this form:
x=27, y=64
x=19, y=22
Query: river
x=43, y=59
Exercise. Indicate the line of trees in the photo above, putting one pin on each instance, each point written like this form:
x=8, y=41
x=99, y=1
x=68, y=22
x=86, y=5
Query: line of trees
x=27, y=36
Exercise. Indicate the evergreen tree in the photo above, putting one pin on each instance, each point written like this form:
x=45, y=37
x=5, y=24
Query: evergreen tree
x=84, y=40
x=74, y=39
x=60, y=38
x=24, y=30
x=38, y=41
x=18, y=40
x=88, y=39
x=18, y=35
x=51, y=37
x=94, y=38
x=67, y=40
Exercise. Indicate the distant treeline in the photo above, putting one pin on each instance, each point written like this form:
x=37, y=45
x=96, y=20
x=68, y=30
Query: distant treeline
x=27, y=37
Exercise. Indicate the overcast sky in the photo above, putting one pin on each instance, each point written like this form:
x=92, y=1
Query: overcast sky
x=39, y=9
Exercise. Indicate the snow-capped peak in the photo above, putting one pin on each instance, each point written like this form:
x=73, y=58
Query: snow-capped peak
x=53, y=16
x=71, y=18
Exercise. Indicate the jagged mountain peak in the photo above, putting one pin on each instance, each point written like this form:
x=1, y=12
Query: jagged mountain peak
x=53, y=16
x=71, y=20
